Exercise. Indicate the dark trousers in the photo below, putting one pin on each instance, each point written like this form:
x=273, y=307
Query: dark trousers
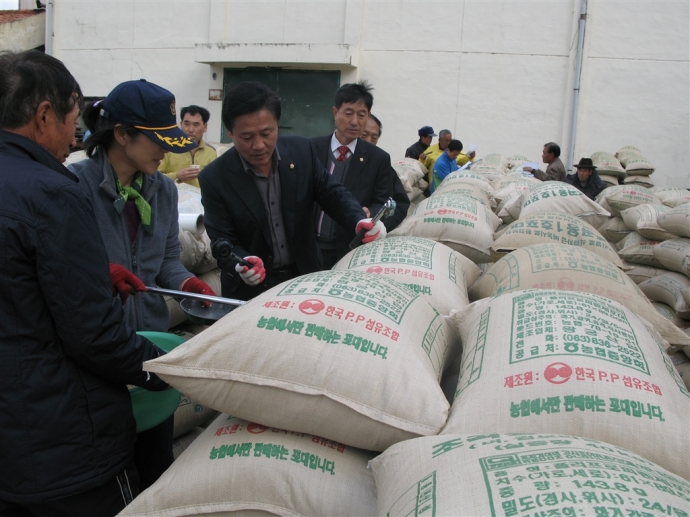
x=106, y=500
x=153, y=453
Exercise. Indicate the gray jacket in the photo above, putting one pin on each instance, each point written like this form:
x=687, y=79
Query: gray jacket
x=154, y=258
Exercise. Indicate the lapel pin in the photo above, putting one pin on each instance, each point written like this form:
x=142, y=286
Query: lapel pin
x=292, y=165
x=361, y=159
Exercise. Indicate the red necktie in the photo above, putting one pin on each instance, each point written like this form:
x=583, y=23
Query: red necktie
x=343, y=149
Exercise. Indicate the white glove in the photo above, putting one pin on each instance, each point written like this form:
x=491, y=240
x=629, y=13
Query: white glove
x=256, y=274
x=376, y=231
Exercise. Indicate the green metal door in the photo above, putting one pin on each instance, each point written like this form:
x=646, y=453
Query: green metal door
x=306, y=97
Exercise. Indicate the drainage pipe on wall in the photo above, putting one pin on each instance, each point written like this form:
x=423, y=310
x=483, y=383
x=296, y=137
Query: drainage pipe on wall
x=50, y=16
x=576, y=86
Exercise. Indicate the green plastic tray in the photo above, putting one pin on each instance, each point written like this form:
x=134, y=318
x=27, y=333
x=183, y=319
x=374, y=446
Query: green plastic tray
x=151, y=408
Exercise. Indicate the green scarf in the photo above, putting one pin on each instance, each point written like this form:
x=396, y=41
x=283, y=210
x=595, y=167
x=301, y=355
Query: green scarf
x=134, y=193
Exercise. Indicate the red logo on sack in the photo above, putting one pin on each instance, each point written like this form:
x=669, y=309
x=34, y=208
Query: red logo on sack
x=566, y=284
x=375, y=269
x=558, y=373
x=442, y=211
x=312, y=307
x=256, y=428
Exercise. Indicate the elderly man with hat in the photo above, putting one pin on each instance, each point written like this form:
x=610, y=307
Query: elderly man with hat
x=586, y=179
x=426, y=133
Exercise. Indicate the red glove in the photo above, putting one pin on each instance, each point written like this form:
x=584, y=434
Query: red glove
x=194, y=285
x=376, y=231
x=124, y=282
x=256, y=274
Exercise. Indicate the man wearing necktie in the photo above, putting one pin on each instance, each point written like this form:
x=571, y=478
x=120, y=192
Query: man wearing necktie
x=260, y=196
x=362, y=167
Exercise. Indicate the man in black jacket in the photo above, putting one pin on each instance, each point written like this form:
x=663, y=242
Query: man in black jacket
x=586, y=179
x=259, y=196
x=425, y=136
x=66, y=425
x=363, y=168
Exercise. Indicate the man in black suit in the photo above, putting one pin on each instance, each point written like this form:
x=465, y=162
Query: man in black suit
x=260, y=197
x=362, y=167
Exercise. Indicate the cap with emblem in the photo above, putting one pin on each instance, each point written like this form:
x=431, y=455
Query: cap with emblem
x=150, y=109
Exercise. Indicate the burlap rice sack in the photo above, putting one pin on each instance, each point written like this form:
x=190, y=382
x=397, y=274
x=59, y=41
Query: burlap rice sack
x=457, y=186
x=554, y=196
x=638, y=250
x=674, y=255
x=611, y=181
x=465, y=176
x=639, y=273
x=676, y=221
x=495, y=160
x=551, y=361
x=240, y=468
x=643, y=181
x=427, y=267
x=190, y=414
x=516, y=160
x=567, y=268
x=462, y=223
x=667, y=312
x=671, y=196
x=637, y=165
x=508, y=210
x=182, y=443
x=643, y=220
x=544, y=227
x=410, y=171
x=607, y=164
x=514, y=178
x=528, y=474
x=614, y=229
x=669, y=288
x=352, y=356
x=195, y=252
x=619, y=198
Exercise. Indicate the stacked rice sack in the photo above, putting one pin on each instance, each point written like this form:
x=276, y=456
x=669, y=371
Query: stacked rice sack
x=626, y=167
x=323, y=368
x=412, y=174
x=638, y=169
x=492, y=166
x=609, y=168
x=315, y=372
x=458, y=214
x=651, y=230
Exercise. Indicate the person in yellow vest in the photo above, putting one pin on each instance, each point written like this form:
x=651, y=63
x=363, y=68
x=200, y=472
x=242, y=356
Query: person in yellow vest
x=429, y=157
x=185, y=167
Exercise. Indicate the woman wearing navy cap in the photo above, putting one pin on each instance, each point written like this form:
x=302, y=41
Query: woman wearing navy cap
x=136, y=209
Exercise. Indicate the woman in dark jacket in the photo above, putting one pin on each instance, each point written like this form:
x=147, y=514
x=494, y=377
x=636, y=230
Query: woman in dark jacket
x=136, y=210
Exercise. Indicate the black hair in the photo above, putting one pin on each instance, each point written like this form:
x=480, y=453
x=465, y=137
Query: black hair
x=104, y=134
x=353, y=93
x=553, y=148
x=246, y=98
x=378, y=122
x=29, y=78
x=455, y=145
x=195, y=110
x=90, y=114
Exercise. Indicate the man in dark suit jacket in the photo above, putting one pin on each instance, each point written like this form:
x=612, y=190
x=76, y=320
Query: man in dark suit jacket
x=362, y=167
x=260, y=196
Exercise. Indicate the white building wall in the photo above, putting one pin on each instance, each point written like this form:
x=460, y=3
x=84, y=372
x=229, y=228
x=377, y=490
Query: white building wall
x=497, y=73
